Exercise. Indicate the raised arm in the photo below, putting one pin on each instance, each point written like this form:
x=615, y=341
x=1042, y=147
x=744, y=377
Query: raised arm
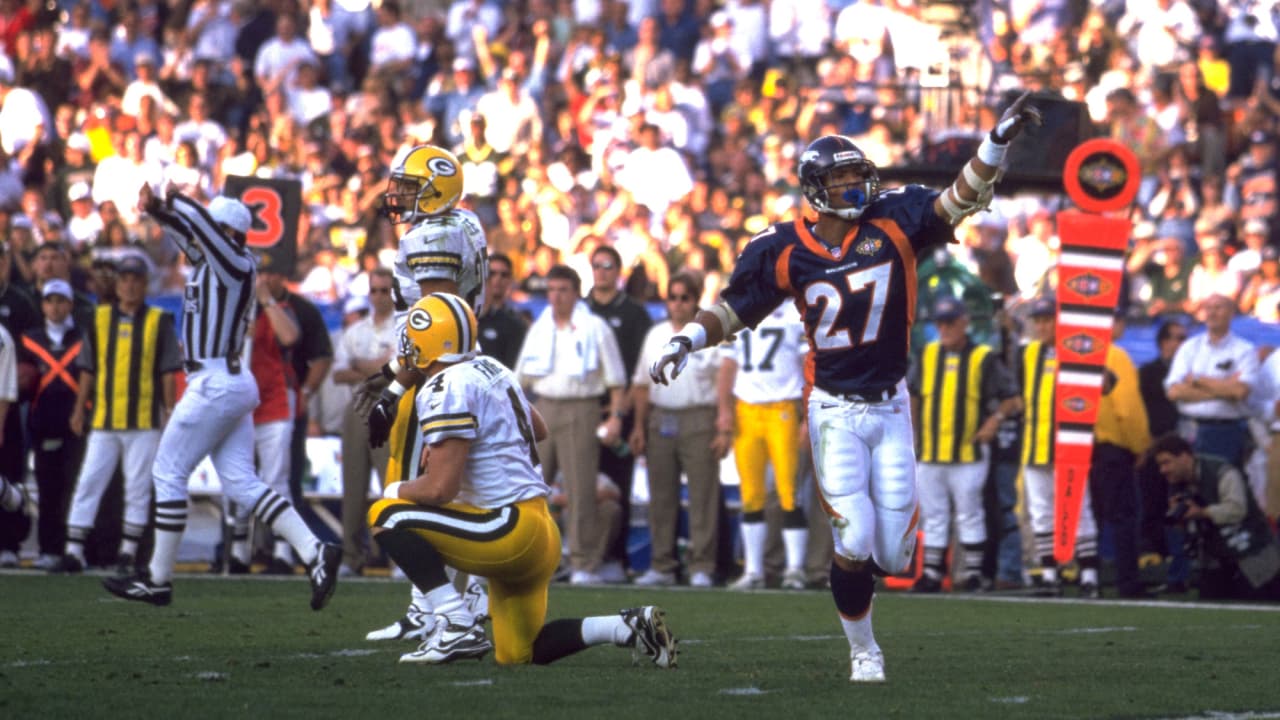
x=974, y=187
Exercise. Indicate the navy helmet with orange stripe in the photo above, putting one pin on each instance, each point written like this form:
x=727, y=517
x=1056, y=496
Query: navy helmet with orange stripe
x=826, y=182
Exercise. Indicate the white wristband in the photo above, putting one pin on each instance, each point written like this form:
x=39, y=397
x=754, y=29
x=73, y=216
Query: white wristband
x=395, y=388
x=991, y=152
x=394, y=365
x=392, y=491
x=697, y=336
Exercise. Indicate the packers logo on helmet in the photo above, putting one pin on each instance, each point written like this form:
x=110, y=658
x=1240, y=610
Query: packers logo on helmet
x=425, y=181
x=439, y=327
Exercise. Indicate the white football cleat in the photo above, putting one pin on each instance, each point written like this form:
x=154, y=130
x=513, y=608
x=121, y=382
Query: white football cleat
x=650, y=636
x=793, y=580
x=450, y=642
x=868, y=666
x=416, y=624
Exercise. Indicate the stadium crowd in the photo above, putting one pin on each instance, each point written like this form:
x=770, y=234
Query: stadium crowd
x=638, y=144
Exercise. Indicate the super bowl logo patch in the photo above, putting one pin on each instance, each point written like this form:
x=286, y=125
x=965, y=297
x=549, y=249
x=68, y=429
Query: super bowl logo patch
x=1080, y=344
x=870, y=246
x=1089, y=285
x=1075, y=404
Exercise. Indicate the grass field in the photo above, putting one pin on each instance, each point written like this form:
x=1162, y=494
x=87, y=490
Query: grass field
x=252, y=648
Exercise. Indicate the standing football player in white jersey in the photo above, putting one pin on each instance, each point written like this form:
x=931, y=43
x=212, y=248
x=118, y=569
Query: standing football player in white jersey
x=481, y=506
x=761, y=384
x=443, y=250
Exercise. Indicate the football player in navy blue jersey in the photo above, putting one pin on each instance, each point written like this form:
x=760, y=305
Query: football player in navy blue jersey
x=852, y=275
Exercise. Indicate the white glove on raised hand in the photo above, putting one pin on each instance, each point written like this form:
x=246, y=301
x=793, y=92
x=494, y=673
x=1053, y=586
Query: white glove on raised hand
x=674, y=354
x=1019, y=114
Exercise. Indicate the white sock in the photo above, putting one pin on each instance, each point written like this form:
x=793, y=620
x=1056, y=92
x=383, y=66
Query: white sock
x=1088, y=576
x=795, y=540
x=859, y=632
x=164, y=555
x=282, y=551
x=75, y=548
x=447, y=602
x=605, y=630
x=10, y=495
x=419, y=598
x=240, y=551
x=1049, y=575
x=753, y=534
x=289, y=525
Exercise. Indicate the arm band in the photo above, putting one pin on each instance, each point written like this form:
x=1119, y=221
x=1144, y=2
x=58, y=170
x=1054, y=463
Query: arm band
x=392, y=491
x=394, y=366
x=395, y=388
x=696, y=334
x=991, y=152
x=729, y=322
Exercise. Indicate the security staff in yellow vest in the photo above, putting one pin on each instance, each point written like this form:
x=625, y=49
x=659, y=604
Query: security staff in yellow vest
x=1037, y=371
x=960, y=394
x=127, y=383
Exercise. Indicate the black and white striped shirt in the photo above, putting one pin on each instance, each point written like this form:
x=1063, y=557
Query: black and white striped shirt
x=219, y=296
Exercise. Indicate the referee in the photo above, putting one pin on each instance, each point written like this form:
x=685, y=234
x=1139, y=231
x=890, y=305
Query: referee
x=961, y=392
x=127, y=377
x=214, y=416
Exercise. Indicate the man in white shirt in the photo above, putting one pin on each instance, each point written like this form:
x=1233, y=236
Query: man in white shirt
x=1210, y=379
x=570, y=359
x=676, y=432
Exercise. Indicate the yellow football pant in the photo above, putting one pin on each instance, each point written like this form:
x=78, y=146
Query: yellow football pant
x=767, y=433
x=516, y=547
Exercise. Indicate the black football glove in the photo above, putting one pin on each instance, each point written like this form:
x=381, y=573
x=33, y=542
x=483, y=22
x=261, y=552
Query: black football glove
x=1019, y=114
x=381, y=416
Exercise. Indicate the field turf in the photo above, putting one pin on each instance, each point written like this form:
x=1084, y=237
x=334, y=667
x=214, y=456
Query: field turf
x=253, y=649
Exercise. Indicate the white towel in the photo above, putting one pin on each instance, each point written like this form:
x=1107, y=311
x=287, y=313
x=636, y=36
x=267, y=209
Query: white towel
x=540, y=343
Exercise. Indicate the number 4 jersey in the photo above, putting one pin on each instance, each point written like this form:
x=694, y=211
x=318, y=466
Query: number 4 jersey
x=857, y=300
x=480, y=400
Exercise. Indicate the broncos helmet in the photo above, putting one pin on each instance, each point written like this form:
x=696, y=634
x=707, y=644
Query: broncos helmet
x=425, y=181
x=439, y=327
x=817, y=163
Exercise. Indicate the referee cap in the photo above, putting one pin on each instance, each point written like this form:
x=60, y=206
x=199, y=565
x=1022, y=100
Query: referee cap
x=133, y=265
x=232, y=213
x=1043, y=306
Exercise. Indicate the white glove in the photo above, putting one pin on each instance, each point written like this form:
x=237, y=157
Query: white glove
x=1011, y=122
x=676, y=354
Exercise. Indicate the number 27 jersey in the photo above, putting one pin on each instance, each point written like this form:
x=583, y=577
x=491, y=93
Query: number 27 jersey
x=857, y=299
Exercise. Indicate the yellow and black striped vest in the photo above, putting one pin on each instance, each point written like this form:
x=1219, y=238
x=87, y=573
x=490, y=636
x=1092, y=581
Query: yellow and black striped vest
x=950, y=403
x=127, y=393
x=1039, y=371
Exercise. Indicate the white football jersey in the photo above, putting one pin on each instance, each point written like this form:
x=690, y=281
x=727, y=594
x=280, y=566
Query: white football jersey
x=480, y=400
x=770, y=358
x=450, y=246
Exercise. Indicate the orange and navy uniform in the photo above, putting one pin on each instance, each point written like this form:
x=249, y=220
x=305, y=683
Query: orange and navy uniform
x=857, y=300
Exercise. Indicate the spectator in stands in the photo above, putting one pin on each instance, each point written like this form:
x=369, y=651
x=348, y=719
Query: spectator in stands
x=1252, y=182
x=1210, y=275
x=1261, y=295
x=117, y=178
x=279, y=57
x=1161, y=261
x=84, y=224
x=1176, y=202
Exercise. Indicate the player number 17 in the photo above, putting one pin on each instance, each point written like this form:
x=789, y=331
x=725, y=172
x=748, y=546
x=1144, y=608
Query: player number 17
x=875, y=280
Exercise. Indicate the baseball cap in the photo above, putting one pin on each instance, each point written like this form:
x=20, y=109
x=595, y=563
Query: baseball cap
x=79, y=191
x=132, y=264
x=232, y=213
x=720, y=18
x=1256, y=226
x=1043, y=306
x=948, y=308
x=56, y=287
x=1270, y=253
x=355, y=303
x=1258, y=137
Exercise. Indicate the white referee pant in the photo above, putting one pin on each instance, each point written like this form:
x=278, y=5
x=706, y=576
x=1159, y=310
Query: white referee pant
x=103, y=451
x=864, y=459
x=213, y=418
x=958, y=484
x=271, y=447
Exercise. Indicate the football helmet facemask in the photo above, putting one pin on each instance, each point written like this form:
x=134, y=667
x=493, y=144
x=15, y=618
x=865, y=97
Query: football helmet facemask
x=820, y=160
x=425, y=181
x=439, y=327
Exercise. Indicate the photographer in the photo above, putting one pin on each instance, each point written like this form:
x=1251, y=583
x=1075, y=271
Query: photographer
x=1227, y=532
